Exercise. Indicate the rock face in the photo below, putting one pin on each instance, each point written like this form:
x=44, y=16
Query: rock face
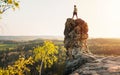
x=72, y=65
x=76, y=34
x=102, y=66
x=79, y=59
x=75, y=42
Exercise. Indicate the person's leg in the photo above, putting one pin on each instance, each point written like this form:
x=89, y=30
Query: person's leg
x=73, y=16
x=76, y=16
x=74, y=13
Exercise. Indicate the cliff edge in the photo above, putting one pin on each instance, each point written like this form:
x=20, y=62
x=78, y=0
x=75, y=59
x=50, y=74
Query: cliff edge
x=80, y=61
x=75, y=42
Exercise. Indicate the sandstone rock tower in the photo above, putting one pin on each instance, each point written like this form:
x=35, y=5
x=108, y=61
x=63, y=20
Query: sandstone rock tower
x=80, y=62
x=76, y=34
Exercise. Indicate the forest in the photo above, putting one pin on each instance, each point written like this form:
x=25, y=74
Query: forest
x=26, y=57
x=23, y=58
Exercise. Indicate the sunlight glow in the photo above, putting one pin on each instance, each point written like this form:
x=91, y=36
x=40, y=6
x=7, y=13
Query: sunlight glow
x=48, y=17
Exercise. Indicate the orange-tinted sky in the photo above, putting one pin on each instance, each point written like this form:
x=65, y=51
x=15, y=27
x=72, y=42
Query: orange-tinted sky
x=47, y=17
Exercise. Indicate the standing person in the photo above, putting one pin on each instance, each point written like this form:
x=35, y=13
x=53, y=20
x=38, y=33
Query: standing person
x=75, y=12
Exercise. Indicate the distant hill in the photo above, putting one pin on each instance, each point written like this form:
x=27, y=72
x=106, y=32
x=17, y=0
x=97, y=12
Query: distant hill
x=28, y=38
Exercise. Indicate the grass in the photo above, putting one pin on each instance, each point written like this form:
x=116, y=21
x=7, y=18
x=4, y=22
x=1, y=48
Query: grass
x=7, y=46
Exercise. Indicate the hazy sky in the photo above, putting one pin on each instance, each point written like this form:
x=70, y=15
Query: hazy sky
x=47, y=17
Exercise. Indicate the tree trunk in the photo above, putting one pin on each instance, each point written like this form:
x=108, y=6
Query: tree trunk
x=40, y=71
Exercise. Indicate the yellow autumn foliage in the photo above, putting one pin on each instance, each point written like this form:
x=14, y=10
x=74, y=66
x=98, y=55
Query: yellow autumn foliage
x=7, y=4
x=10, y=1
x=46, y=53
x=18, y=68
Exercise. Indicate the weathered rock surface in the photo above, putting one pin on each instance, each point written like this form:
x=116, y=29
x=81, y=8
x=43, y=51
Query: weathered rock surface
x=72, y=65
x=80, y=61
x=76, y=34
x=75, y=42
x=102, y=66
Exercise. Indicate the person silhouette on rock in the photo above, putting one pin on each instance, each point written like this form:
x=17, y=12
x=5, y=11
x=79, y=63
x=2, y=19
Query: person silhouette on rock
x=75, y=12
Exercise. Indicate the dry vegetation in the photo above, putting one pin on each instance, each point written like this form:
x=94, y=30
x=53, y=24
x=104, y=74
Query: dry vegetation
x=104, y=46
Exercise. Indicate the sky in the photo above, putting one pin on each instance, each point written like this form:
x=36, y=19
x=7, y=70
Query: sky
x=48, y=17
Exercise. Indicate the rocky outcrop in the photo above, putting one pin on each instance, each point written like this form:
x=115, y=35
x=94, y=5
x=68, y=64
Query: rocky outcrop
x=80, y=61
x=72, y=65
x=76, y=34
x=102, y=66
x=75, y=42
